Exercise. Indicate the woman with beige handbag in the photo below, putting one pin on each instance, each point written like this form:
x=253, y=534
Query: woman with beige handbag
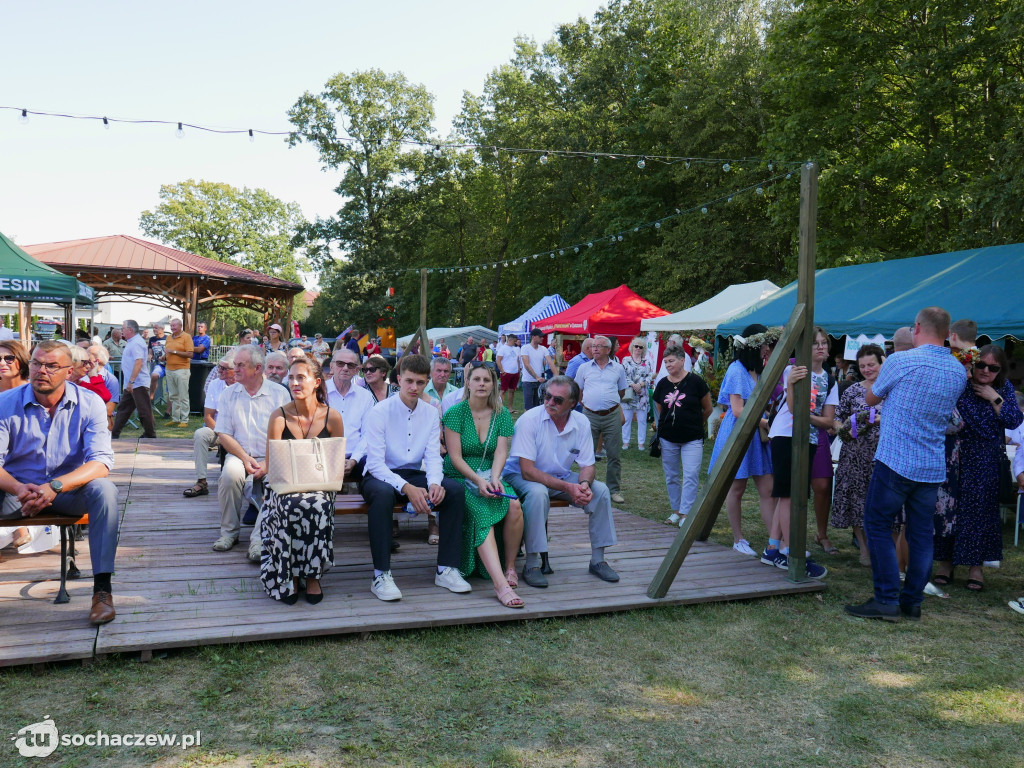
x=305, y=468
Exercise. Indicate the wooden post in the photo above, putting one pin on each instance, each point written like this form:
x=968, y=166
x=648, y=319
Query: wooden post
x=423, y=314
x=802, y=390
x=729, y=458
x=25, y=323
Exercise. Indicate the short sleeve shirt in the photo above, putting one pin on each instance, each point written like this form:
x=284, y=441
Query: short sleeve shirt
x=682, y=416
x=537, y=438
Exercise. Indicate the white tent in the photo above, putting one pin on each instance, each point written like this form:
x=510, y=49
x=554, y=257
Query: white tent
x=454, y=337
x=708, y=314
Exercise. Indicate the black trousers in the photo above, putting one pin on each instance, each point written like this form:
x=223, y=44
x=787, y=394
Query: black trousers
x=382, y=499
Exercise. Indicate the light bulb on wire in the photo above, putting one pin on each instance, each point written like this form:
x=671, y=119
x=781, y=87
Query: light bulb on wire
x=544, y=159
x=641, y=163
x=180, y=133
x=24, y=117
x=106, y=123
x=252, y=139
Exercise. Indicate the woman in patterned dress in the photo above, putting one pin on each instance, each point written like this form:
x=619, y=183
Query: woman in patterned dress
x=639, y=373
x=298, y=528
x=737, y=387
x=478, y=433
x=987, y=407
x=853, y=473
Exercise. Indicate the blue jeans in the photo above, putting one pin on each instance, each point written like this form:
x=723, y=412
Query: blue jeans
x=887, y=494
x=530, y=394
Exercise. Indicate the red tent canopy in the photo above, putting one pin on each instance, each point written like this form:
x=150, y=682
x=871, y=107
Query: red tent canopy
x=615, y=312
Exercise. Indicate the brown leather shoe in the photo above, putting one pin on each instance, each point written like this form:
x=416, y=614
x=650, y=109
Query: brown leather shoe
x=102, y=608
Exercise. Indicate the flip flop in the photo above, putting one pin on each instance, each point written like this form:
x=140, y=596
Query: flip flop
x=941, y=580
x=975, y=585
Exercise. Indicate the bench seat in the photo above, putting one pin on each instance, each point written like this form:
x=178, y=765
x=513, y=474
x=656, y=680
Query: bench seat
x=67, y=544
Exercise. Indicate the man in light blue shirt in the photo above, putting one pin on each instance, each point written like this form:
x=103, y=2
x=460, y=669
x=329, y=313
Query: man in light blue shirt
x=135, y=374
x=55, y=455
x=920, y=388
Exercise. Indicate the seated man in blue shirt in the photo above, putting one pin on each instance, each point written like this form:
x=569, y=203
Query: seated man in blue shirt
x=55, y=455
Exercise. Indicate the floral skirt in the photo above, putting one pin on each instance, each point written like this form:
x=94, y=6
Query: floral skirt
x=298, y=539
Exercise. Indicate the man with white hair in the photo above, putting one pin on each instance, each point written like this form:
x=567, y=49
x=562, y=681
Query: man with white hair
x=603, y=381
x=275, y=366
x=135, y=393
x=243, y=413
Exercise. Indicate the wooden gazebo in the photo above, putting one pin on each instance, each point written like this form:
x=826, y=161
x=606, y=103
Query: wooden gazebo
x=123, y=267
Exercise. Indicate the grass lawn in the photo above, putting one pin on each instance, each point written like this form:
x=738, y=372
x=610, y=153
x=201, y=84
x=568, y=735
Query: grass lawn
x=781, y=681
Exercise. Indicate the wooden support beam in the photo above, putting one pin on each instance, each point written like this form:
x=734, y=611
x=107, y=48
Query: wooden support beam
x=729, y=458
x=801, y=406
x=424, y=345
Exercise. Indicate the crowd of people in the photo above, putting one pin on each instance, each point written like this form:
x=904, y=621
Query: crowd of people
x=922, y=484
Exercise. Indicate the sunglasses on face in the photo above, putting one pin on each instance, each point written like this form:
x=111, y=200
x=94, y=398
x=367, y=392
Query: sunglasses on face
x=481, y=364
x=556, y=399
x=371, y=369
x=8, y=358
x=988, y=367
x=342, y=364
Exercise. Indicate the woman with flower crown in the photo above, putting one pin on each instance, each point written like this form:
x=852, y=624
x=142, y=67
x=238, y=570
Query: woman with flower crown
x=751, y=349
x=683, y=400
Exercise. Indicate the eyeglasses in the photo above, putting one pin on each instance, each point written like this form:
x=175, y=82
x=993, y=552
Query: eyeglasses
x=343, y=364
x=979, y=366
x=556, y=399
x=371, y=369
x=638, y=346
x=48, y=367
x=225, y=368
x=8, y=358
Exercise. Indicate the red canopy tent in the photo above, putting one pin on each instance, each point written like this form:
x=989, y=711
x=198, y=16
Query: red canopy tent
x=615, y=312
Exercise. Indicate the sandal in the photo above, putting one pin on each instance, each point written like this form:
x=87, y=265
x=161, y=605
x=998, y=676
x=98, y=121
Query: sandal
x=21, y=537
x=822, y=540
x=512, y=577
x=942, y=580
x=432, y=531
x=199, y=489
x=975, y=585
x=509, y=599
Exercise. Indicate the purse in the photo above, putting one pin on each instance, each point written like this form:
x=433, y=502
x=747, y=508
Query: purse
x=302, y=466
x=471, y=486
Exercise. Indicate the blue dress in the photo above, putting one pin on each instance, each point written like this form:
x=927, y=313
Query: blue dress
x=757, y=460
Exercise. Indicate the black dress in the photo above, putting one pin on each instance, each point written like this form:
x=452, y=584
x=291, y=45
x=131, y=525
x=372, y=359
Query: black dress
x=297, y=533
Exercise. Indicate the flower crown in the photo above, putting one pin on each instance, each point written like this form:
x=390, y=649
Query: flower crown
x=968, y=356
x=771, y=336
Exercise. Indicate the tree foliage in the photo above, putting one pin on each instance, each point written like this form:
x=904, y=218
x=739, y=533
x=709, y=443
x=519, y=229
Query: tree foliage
x=913, y=113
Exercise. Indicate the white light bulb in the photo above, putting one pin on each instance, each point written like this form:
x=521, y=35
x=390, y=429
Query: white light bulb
x=544, y=159
x=641, y=164
x=657, y=225
x=730, y=198
x=590, y=245
x=771, y=166
x=180, y=133
x=789, y=175
x=704, y=209
x=760, y=190
x=620, y=238
x=24, y=117
x=595, y=159
x=687, y=164
x=561, y=252
x=106, y=123
x=252, y=139
x=575, y=250
x=726, y=167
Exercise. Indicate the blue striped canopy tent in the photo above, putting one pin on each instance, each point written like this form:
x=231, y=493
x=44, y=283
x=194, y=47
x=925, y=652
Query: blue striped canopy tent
x=546, y=307
x=981, y=284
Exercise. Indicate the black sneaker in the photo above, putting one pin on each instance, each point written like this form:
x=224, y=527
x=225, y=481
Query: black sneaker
x=910, y=612
x=874, y=610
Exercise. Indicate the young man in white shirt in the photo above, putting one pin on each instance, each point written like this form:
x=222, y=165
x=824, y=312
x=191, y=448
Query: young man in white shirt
x=403, y=434
x=508, y=368
x=533, y=358
x=546, y=443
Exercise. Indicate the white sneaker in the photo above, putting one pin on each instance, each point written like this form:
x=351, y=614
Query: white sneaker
x=255, y=548
x=743, y=547
x=384, y=588
x=625, y=446
x=452, y=580
x=224, y=543
x=1017, y=605
x=618, y=498
x=674, y=519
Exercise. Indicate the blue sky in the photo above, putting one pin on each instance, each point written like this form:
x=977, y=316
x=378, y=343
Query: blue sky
x=222, y=64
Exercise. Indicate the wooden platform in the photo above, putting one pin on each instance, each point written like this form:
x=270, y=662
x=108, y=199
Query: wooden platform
x=171, y=590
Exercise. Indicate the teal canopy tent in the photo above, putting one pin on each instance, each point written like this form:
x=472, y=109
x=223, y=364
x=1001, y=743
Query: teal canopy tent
x=983, y=284
x=22, y=278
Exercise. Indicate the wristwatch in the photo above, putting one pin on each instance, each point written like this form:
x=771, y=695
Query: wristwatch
x=998, y=400
x=581, y=482
x=57, y=486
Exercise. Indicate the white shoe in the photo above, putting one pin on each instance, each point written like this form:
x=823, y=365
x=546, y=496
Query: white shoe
x=625, y=446
x=255, y=548
x=452, y=580
x=384, y=588
x=618, y=498
x=934, y=591
x=743, y=547
x=224, y=543
x=1017, y=605
x=674, y=519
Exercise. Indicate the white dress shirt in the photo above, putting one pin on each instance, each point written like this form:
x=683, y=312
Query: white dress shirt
x=6, y=334
x=601, y=386
x=353, y=407
x=213, y=394
x=537, y=438
x=453, y=398
x=246, y=417
x=397, y=437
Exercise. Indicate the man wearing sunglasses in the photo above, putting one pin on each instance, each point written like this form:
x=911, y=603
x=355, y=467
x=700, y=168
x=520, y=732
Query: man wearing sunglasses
x=55, y=455
x=353, y=403
x=546, y=443
x=920, y=388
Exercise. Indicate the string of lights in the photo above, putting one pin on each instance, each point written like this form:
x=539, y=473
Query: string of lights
x=437, y=147
x=617, y=237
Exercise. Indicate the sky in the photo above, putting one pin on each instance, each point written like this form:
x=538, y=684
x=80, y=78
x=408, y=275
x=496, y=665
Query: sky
x=220, y=64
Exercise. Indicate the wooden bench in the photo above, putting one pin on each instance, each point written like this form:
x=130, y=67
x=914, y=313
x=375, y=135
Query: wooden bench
x=67, y=544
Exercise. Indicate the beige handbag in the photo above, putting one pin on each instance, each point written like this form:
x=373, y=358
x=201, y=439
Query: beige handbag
x=314, y=464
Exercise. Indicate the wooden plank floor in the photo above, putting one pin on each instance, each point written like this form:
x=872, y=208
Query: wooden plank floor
x=172, y=590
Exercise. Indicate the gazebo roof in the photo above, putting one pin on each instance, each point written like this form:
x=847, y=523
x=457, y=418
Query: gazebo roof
x=120, y=266
x=126, y=253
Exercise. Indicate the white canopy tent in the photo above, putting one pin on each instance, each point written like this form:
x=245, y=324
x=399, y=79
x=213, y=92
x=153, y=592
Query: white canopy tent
x=719, y=308
x=454, y=337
